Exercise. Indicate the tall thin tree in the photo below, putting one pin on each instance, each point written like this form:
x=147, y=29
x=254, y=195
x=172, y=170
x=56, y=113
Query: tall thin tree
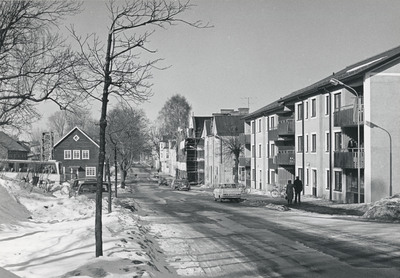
x=115, y=66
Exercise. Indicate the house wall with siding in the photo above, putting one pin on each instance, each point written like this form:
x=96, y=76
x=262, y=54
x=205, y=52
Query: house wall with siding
x=83, y=143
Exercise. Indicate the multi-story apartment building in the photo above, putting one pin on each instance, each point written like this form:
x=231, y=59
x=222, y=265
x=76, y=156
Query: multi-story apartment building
x=219, y=163
x=340, y=134
x=195, y=150
x=271, y=146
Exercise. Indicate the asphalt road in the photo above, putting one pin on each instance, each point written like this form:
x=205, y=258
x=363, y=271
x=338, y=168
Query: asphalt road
x=203, y=238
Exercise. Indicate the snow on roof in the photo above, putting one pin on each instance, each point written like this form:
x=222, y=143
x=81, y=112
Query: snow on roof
x=366, y=64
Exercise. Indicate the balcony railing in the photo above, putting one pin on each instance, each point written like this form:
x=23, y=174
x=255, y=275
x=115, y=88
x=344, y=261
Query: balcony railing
x=286, y=127
x=285, y=157
x=347, y=117
x=244, y=161
x=348, y=160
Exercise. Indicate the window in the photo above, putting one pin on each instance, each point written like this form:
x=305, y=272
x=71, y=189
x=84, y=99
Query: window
x=338, y=181
x=90, y=171
x=328, y=180
x=76, y=154
x=337, y=101
x=259, y=125
x=338, y=141
x=327, y=142
x=327, y=105
x=307, y=143
x=313, y=143
x=67, y=154
x=253, y=151
x=300, y=144
x=299, y=111
x=259, y=150
x=253, y=174
x=272, y=123
x=313, y=107
x=306, y=110
x=272, y=150
x=314, y=178
x=253, y=128
x=85, y=154
x=308, y=177
x=272, y=175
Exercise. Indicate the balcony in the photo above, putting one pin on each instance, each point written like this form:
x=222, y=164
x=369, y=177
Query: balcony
x=285, y=156
x=244, y=161
x=347, y=116
x=348, y=160
x=245, y=139
x=286, y=127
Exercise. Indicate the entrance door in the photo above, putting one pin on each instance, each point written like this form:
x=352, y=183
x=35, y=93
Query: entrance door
x=314, y=181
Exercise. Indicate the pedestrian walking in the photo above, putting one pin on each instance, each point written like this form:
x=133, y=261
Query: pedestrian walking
x=298, y=187
x=289, y=192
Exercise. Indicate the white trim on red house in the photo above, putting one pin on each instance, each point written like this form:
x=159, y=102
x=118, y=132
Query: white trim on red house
x=66, y=135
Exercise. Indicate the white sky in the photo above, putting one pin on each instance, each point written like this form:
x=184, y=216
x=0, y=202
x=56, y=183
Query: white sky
x=258, y=50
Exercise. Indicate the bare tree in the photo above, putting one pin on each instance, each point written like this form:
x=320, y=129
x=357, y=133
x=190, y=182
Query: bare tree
x=58, y=123
x=115, y=67
x=35, y=63
x=155, y=137
x=232, y=146
x=127, y=131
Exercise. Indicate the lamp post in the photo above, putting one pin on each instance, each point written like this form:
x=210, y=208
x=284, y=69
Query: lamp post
x=336, y=82
x=372, y=125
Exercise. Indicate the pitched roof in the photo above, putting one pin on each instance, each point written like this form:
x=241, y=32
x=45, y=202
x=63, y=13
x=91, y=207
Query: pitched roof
x=228, y=125
x=351, y=72
x=207, y=128
x=10, y=144
x=266, y=110
x=199, y=125
x=81, y=131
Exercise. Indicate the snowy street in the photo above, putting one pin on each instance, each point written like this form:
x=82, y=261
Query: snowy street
x=154, y=231
x=205, y=238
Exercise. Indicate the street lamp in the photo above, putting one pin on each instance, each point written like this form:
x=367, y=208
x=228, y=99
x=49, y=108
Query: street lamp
x=336, y=82
x=372, y=125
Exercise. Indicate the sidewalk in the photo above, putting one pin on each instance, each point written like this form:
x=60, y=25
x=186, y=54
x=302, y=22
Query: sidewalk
x=257, y=198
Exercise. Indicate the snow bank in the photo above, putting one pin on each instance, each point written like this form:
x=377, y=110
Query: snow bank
x=59, y=241
x=385, y=209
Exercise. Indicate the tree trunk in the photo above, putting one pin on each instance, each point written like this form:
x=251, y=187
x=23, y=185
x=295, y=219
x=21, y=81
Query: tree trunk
x=102, y=153
x=109, y=185
x=236, y=172
x=116, y=170
x=124, y=173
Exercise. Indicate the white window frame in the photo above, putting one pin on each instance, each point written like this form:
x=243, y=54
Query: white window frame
x=314, y=101
x=67, y=154
x=90, y=171
x=327, y=141
x=76, y=154
x=86, y=154
x=314, y=148
x=327, y=107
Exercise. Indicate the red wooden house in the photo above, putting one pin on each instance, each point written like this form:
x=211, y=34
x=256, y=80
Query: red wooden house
x=78, y=154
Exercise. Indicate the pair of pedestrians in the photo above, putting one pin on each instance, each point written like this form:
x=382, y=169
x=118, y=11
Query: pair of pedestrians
x=297, y=187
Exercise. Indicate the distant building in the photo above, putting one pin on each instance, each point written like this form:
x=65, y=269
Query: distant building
x=11, y=149
x=78, y=153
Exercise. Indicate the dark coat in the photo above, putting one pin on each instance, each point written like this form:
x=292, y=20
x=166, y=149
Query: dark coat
x=298, y=185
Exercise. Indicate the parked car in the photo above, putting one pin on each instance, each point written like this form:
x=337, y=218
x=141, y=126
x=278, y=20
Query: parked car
x=180, y=184
x=84, y=187
x=227, y=191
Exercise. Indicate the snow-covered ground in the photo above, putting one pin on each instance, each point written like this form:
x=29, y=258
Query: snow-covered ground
x=52, y=235
x=58, y=239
